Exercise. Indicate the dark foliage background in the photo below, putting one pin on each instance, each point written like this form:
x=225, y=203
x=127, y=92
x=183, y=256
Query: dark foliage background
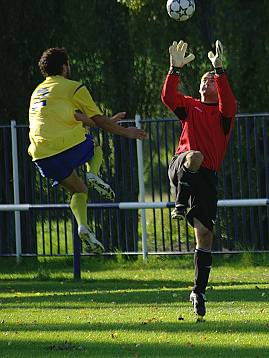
x=119, y=49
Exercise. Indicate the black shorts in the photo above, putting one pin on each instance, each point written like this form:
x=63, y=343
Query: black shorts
x=203, y=198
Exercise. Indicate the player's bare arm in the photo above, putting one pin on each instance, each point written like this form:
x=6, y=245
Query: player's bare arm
x=110, y=124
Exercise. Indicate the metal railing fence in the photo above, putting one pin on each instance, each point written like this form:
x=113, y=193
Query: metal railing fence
x=244, y=175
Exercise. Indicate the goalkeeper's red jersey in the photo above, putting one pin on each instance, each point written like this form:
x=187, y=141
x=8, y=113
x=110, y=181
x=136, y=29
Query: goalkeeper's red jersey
x=205, y=127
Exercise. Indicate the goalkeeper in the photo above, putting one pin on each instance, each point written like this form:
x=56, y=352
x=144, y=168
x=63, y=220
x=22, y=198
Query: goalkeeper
x=59, y=142
x=206, y=128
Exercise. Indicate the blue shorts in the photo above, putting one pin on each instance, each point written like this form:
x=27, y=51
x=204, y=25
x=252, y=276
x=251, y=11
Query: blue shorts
x=60, y=166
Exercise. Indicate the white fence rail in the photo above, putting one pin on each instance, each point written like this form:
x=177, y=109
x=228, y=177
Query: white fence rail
x=142, y=205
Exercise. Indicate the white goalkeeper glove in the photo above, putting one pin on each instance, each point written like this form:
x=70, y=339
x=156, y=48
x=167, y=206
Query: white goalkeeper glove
x=177, y=54
x=216, y=59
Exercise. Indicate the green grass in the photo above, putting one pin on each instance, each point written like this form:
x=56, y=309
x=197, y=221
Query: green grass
x=133, y=309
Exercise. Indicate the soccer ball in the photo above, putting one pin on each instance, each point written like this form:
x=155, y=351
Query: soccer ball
x=180, y=10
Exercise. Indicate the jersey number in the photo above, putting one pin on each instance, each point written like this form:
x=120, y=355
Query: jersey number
x=40, y=99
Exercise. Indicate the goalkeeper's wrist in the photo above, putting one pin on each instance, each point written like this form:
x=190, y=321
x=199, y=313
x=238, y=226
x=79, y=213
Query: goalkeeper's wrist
x=174, y=70
x=219, y=70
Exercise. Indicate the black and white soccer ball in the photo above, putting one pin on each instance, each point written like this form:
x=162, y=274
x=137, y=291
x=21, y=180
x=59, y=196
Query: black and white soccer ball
x=180, y=10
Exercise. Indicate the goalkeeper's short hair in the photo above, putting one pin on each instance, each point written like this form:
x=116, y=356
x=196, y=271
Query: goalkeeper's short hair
x=210, y=73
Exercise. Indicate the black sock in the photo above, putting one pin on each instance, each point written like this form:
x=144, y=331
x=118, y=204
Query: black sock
x=202, y=263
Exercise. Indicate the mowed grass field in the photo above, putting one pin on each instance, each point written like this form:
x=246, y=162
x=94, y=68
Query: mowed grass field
x=132, y=309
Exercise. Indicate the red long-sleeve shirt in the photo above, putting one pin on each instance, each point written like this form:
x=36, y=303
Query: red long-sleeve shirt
x=205, y=127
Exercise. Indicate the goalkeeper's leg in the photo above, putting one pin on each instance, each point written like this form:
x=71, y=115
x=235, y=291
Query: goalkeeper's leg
x=202, y=264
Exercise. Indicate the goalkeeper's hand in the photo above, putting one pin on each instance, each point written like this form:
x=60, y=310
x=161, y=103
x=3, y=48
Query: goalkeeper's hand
x=177, y=54
x=216, y=59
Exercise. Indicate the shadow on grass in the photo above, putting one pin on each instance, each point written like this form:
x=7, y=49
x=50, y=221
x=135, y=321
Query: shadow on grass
x=110, y=292
x=113, y=348
x=92, y=284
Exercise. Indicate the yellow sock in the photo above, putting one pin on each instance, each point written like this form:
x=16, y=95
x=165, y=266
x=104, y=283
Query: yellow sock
x=94, y=164
x=78, y=205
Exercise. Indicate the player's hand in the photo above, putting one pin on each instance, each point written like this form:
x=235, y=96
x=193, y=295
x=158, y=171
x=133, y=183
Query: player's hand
x=216, y=59
x=177, y=54
x=118, y=117
x=135, y=133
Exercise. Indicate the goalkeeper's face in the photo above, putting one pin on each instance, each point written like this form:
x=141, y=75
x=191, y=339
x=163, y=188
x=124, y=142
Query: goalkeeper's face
x=208, y=88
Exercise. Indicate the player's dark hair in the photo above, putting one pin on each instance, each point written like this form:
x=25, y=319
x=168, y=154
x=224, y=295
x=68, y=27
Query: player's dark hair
x=52, y=61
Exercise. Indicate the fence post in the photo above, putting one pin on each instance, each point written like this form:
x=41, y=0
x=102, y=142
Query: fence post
x=140, y=164
x=16, y=189
x=76, y=250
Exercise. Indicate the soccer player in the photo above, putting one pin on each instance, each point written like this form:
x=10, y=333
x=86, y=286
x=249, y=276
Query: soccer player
x=206, y=128
x=60, y=110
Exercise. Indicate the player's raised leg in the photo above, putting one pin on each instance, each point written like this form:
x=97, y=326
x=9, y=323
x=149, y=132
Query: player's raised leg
x=183, y=173
x=94, y=182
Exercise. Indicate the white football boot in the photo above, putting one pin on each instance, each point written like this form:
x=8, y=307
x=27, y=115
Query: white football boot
x=178, y=212
x=89, y=238
x=99, y=185
x=198, y=301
